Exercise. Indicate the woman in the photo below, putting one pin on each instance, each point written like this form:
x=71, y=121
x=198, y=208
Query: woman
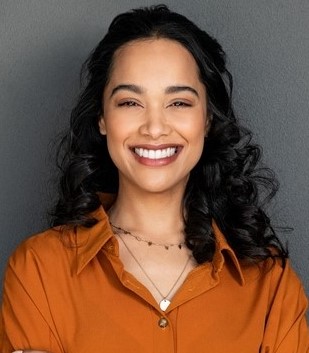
x=160, y=242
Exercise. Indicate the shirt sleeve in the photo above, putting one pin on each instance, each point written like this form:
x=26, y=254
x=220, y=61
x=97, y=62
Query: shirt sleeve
x=286, y=329
x=26, y=321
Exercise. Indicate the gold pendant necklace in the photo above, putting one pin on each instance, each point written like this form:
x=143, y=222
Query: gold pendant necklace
x=164, y=302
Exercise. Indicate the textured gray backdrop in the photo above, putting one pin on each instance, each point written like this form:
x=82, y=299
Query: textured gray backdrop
x=43, y=44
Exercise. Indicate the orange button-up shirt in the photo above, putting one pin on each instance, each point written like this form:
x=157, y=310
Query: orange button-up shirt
x=70, y=293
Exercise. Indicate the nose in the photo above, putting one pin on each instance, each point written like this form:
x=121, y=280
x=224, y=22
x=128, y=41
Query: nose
x=155, y=123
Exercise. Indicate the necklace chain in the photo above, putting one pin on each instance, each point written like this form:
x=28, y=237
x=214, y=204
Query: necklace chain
x=149, y=242
x=165, y=302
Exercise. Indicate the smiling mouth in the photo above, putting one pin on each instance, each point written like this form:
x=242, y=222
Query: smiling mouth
x=156, y=154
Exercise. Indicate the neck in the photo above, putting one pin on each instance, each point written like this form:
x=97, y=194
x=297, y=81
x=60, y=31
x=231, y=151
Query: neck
x=155, y=216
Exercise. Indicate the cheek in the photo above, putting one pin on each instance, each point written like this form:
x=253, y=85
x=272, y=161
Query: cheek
x=116, y=138
x=114, y=152
x=199, y=146
x=197, y=136
x=113, y=141
x=196, y=128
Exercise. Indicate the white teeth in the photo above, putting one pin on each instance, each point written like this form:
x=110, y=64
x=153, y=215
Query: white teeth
x=155, y=154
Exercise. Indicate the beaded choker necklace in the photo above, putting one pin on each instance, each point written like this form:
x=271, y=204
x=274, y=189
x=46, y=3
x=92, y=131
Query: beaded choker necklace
x=149, y=242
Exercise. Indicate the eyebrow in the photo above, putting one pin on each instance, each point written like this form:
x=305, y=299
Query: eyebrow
x=176, y=89
x=139, y=90
x=125, y=87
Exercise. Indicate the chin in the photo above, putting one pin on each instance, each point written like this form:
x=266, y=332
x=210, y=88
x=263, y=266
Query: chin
x=163, y=187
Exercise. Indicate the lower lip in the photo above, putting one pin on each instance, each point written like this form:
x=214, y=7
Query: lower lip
x=157, y=162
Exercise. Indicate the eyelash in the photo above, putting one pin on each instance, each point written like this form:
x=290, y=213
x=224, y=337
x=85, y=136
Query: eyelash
x=180, y=104
x=128, y=104
x=177, y=104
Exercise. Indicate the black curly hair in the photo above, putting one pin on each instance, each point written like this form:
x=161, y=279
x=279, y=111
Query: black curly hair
x=227, y=185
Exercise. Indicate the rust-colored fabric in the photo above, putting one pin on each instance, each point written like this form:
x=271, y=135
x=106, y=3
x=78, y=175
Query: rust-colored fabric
x=70, y=293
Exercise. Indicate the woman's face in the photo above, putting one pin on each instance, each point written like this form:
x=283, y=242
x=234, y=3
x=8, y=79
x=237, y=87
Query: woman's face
x=155, y=115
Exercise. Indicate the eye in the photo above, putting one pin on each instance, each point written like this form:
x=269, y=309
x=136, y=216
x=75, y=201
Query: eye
x=128, y=103
x=181, y=104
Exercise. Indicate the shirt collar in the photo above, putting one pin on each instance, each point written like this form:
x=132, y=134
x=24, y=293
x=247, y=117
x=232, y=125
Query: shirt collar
x=89, y=241
x=222, y=248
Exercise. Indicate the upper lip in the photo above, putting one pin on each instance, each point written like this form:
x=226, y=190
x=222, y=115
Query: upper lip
x=156, y=147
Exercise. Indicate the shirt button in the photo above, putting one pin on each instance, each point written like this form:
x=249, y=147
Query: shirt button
x=163, y=322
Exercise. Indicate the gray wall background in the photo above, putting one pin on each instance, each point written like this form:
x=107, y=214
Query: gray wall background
x=42, y=47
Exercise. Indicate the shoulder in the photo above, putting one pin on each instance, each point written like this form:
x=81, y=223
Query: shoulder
x=40, y=240
x=273, y=270
x=44, y=250
x=282, y=274
x=285, y=291
x=43, y=242
x=276, y=280
x=285, y=328
x=286, y=286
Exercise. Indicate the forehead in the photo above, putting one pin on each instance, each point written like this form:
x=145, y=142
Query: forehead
x=146, y=57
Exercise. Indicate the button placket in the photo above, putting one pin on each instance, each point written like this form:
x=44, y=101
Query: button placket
x=163, y=334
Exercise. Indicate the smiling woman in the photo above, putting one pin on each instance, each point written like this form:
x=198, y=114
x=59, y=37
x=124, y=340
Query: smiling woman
x=160, y=242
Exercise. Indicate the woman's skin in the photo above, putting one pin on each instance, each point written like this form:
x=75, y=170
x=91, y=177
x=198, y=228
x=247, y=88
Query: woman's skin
x=154, y=101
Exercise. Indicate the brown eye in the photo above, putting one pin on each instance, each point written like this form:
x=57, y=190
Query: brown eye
x=181, y=104
x=128, y=104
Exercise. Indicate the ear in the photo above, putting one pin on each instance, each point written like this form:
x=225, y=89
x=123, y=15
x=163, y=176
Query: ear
x=102, y=126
